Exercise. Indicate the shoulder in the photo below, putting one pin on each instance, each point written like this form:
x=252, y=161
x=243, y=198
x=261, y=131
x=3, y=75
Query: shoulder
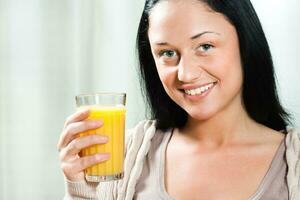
x=137, y=144
x=293, y=161
x=293, y=140
x=140, y=134
x=144, y=136
x=142, y=126
x=141, y=129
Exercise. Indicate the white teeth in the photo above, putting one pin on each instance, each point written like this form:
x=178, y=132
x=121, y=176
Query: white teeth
x=199, y=90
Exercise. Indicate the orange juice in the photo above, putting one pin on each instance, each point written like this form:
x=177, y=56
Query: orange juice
x=114, y=128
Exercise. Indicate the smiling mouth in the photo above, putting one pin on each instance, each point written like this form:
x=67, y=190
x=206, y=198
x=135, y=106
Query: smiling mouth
x=199, y=90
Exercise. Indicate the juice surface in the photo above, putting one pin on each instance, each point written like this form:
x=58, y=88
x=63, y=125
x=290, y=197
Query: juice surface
x=114, y=128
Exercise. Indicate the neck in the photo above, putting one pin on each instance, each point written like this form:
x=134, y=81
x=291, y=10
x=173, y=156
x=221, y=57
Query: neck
x=230, y=125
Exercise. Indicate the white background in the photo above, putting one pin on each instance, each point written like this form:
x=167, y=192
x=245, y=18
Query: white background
x=51, y=50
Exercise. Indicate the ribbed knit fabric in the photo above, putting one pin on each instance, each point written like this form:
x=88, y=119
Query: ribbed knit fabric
x=293, y=161
x=138, y=141
x=78, y=190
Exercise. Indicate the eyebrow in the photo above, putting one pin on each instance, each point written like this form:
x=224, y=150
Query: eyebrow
x=192, y=38
x=200, y=34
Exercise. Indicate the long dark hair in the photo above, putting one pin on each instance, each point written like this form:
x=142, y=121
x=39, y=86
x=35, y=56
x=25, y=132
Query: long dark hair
x=259, y=91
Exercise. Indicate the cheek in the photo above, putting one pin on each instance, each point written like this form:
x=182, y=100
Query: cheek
x=163, y=75
x=167, y=76
x=228, y=70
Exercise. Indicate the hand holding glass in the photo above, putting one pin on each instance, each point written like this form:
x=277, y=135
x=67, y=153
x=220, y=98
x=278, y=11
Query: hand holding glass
x=110, y=108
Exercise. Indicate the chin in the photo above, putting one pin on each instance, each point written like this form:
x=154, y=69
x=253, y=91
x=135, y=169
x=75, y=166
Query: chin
x=201, y=115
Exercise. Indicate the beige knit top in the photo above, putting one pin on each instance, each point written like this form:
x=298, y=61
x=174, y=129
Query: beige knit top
x=138, y=142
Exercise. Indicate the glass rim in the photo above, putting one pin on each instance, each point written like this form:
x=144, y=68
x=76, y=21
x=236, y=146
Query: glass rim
x=120, y=94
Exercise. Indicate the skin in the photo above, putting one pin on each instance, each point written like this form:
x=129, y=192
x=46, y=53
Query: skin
x=69, y=145
x=226, y=151
x=219, y=139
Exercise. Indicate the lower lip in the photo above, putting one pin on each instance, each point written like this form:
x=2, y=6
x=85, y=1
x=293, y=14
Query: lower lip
x=198, y=97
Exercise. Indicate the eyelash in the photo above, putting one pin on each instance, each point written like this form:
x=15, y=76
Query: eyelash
x=207, y=45
x=161, y=53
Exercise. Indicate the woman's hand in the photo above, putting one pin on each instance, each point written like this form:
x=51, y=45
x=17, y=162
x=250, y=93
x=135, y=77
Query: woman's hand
x=70, y=145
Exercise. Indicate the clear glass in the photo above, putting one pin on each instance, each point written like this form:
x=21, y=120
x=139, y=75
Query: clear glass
x=110, y=107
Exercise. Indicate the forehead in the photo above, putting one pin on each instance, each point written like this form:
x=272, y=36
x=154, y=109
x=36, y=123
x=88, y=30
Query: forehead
x=185, y=18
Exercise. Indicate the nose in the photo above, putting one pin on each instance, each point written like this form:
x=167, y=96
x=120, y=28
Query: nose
x=188, y=70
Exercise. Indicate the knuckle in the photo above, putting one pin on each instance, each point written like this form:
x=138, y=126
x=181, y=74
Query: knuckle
x=68, y=119
x=64, y=134
x=85, y=125
x=64, y=167
x=84, y=162
x=62, y=155
x=89, y=125
x=92, y=124
x=94, y=138
x=87, y=161
x=74, y=144
x=71, y=129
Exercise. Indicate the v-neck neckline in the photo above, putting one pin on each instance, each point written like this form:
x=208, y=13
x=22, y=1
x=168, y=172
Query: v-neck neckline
x=259, y=191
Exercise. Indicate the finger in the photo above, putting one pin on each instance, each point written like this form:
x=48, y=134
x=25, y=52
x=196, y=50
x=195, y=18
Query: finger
x=76, y=145
x=72, y=130
x=77, y=116
x=87, y=161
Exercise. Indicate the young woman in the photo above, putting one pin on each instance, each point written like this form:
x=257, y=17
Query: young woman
x=218, y=129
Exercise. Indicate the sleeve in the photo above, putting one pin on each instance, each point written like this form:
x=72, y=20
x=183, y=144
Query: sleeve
x=87, y=190
x=293, y=161
x=80, y=190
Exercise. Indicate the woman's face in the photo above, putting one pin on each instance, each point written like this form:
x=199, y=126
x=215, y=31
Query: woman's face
x=197, y=56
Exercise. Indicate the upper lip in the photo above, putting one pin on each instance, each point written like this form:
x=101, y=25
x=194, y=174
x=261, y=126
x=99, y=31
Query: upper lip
x=191, y=87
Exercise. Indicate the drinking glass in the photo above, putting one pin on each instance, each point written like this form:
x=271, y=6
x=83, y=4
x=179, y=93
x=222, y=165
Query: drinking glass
x=109, y=107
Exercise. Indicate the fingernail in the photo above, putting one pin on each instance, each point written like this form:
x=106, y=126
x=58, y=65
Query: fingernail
x=102, y=156
x=103, y=139
x=100, y=139
x=84, y=111
x=97, y=123
x=106, y=156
